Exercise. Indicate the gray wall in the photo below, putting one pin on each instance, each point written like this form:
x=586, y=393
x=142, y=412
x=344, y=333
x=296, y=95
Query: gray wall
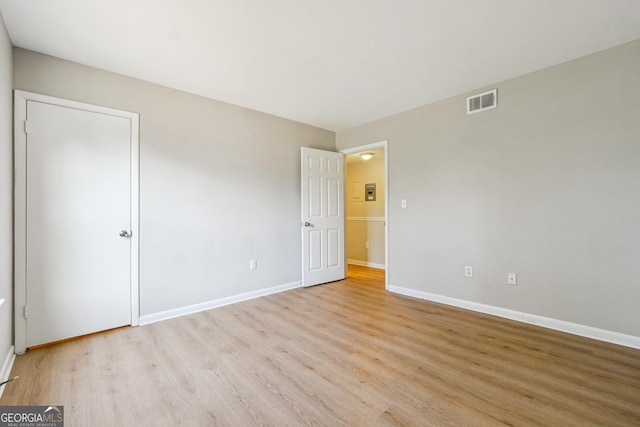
x=219, y=184
x=6, y=193
x=547, y=185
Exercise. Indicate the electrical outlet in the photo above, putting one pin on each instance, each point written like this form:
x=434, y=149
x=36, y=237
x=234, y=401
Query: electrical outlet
x=512, y=278
x=403, y=204
x=468, y=271
x=253, y=264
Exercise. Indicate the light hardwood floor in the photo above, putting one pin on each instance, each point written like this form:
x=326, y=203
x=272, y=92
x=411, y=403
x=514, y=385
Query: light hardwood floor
x=342, y=354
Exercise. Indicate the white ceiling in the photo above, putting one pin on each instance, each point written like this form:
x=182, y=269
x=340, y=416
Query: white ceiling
x=330, y=63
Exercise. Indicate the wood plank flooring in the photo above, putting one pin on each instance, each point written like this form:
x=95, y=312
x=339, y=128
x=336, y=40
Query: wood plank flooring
x=342, y=354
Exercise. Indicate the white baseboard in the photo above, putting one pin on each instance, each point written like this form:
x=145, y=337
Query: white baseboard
x=366, y=264
x=195, y=308
x=6, y=367
x=533, y=319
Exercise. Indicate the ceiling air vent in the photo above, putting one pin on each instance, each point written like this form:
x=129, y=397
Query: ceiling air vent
x=483, y=101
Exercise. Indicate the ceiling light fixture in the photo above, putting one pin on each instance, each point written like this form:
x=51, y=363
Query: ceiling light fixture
x=366, y=156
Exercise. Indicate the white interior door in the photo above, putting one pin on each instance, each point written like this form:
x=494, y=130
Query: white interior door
x=78, y=222
x=323, y=257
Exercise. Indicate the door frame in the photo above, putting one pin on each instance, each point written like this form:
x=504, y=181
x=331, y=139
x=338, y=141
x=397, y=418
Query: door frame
x=385, y=145
x=20, y=204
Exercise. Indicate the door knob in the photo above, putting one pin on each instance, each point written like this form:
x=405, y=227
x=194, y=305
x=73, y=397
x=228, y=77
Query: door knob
x=307, y=224
x=125, y=233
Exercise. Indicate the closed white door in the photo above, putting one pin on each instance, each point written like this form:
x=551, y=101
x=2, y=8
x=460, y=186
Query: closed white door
x=78, y=222
x=323, y=257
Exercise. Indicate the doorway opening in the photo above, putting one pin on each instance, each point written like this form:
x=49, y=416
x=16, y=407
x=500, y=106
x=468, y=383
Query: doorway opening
x=366, y=203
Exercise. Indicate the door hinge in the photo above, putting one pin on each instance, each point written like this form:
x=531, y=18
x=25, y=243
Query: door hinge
x=26, y=126
x=25, y=312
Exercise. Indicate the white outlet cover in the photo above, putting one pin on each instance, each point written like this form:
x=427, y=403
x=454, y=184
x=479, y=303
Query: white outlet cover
x=512, y=278
x=468, y=271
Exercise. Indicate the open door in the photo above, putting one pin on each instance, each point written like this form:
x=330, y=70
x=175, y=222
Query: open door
x=323, y=258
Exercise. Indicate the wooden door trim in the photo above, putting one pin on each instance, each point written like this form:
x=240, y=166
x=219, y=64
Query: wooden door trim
x=20, y=204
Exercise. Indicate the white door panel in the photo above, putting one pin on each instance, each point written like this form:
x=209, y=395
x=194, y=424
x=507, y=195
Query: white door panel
x=322, y=216
x=315, y=197
x=333, y=245
x=334, y=204
x=315, y=250
x=77, y=201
